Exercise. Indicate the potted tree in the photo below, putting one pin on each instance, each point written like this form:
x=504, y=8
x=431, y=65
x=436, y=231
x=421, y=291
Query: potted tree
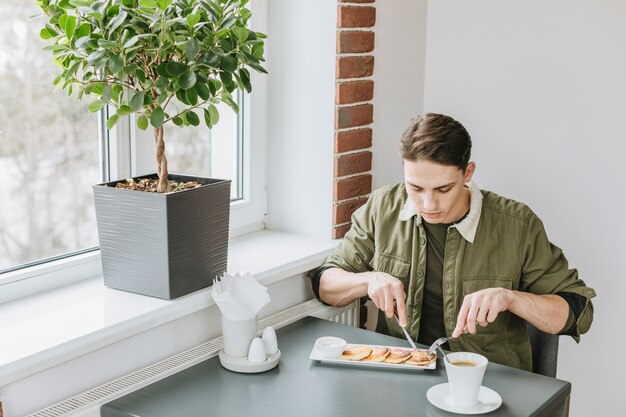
x=162, y=61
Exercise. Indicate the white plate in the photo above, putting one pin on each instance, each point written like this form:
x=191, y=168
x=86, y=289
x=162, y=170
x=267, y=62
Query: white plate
x=339, y=361
x=488, y=400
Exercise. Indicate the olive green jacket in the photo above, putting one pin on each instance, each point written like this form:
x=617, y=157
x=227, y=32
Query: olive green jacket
x=500, y=243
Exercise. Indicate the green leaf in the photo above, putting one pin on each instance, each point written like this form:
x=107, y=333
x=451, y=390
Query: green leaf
x=244, y=75
x=241, y=33
x=178, y=121
x=103, y=43
x=228, y=63
x=192, y=19
x=210, y=59
x=116, y=21
x=182, y=97
x=257, y=51
x=163, y=4
x=112, y=121
x=107, y=93
x=70, y=25
x=214, y=114
x=162, y=84
x=45, y=34
x=95, y=106
x=51, y=30
x=228, y=99
x=214, y=86
x=162, y=71
x=136, y=102
x=203, y=91
x=83, y=42
x=83, y=30
x=207, y=119
x=162, y=97
x=157, y=117
x=151, y=4
x=142, y=122
x=116, y=63
x=175, y=69
x=141, y=75
x=117, y=92
x=187, y=80
x=192, y=49
x=72, y=70
x=124, y=110
x=192, y=118
x=62, y=21
x=228, y=22
x=192, y=96
x=227, y=79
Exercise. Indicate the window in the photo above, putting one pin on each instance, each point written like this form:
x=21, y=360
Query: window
x=48, y=150
x=49, y=159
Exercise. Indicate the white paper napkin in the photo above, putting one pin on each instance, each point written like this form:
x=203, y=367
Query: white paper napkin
x=239, y=296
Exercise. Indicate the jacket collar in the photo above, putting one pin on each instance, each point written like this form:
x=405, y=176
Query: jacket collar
x=467, y=227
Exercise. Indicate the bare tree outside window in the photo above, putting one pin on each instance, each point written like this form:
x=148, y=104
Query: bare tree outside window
x=48, y=149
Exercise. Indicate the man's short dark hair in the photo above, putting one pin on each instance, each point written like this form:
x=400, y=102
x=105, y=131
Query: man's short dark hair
x=436, y=138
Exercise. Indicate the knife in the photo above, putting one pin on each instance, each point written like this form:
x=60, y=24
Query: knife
x=406, y=334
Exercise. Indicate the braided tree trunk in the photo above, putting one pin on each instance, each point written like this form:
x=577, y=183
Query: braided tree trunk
x=161, y=161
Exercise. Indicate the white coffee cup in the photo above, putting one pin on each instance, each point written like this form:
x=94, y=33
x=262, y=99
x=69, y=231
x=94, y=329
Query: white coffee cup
x=465, y=377
x=238, y=335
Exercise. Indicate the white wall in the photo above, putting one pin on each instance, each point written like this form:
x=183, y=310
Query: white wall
x=300, y=118
x=541, y=86
x=399, y=55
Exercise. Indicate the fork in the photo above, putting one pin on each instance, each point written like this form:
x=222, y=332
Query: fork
x=437, y=343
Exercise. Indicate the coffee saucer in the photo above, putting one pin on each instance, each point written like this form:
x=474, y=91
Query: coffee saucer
x=488, y=400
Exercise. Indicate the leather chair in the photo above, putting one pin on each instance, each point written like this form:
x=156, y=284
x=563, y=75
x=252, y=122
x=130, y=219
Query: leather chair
x=545, y=348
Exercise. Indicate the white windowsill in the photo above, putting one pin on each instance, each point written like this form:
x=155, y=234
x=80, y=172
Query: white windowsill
x=46, y=329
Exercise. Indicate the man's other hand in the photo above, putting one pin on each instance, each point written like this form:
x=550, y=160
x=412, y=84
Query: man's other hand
x=384, y=289
x=482, y=308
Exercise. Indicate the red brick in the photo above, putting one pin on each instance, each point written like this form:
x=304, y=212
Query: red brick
x=340, y=231
x=352, y=116
x=353, y=163
x=351, y=42
x=352, y=187
x=354, y=66
x=356, y=16
x=356, y=1
x=354, y=91
x=342, y=212
x=351, y=140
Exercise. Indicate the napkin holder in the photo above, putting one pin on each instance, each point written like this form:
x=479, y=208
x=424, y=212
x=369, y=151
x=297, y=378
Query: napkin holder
x=237, y=337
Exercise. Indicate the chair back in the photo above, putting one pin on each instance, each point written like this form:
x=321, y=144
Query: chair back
x=545, y=348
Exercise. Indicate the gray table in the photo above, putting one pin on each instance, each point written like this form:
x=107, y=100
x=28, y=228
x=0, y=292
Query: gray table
x=301, y=387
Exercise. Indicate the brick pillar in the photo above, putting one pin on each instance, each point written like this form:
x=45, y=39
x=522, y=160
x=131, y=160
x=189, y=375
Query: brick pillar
x=354, y=111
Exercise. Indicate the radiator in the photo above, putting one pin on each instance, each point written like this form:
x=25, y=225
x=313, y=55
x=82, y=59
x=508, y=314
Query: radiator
x=87, y=404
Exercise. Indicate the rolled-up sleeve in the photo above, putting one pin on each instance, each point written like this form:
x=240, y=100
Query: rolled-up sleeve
x=545, y=270
x=354, y=253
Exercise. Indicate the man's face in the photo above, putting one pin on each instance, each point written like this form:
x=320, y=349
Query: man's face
x=437, y=190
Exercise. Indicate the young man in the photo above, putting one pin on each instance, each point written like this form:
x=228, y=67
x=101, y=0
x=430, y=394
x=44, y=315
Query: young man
x=451, y=258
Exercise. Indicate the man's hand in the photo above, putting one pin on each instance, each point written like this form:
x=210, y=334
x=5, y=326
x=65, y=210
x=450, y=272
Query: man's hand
x=481, y=307
x=384, y=290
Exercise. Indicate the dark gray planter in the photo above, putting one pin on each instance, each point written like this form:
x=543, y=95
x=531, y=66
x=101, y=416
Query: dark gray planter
x=163, y=245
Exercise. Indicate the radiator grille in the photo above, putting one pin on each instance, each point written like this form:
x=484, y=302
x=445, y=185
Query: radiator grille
x=104, y=393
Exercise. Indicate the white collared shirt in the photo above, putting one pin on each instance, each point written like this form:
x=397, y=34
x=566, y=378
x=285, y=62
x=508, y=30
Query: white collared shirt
x=467, y=227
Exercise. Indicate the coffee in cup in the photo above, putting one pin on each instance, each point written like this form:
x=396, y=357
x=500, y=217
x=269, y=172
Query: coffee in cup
x=465, y=377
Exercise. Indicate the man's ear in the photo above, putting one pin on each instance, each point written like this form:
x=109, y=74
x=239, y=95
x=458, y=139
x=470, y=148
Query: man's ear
x=469, y=171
